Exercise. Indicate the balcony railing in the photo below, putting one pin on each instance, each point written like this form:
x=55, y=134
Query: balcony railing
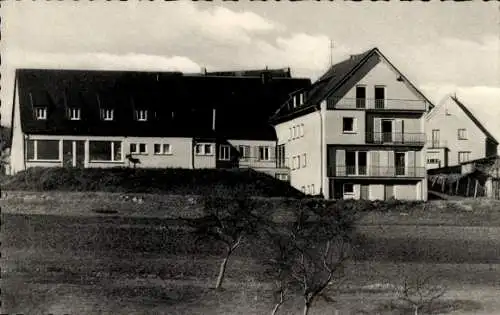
x=416, y=138
x=376, y=171
x=376, y=104
x=437, y=144
x=255, y=162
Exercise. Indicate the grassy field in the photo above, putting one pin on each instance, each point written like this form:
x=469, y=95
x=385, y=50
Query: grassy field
x=115, y=264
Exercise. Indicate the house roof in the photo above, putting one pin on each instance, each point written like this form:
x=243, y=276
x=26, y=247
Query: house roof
x=334, y=78
x=473, y=118
x=183, y=104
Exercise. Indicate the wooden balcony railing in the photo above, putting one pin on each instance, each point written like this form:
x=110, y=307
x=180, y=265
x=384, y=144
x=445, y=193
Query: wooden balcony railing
x=403, y=138
x=437, y=144
x=256, y=162
x=376, y=104
x=376, y=171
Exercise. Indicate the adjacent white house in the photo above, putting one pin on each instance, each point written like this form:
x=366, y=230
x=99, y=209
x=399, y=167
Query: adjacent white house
x=357, y=132
x=455, y=135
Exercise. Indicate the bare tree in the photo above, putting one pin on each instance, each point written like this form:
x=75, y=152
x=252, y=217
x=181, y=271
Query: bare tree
x=229, y=221
x=419, y=293
x=321, y=237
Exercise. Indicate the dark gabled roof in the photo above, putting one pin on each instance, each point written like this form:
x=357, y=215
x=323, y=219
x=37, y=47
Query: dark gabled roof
x=270, y=73
x=332, y=80
x=243, y=104
x=473, y=118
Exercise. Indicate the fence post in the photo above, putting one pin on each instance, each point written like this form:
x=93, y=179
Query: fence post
x=468, y=186
x=456, y=188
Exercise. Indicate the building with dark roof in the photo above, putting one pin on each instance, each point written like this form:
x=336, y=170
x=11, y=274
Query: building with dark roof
x=456, y=136
x=357, y=132
x=165, y=119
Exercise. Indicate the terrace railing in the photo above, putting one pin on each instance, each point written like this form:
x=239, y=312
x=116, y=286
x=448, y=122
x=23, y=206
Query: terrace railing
x=376, y=171
x=403, y=138
x=377, y=104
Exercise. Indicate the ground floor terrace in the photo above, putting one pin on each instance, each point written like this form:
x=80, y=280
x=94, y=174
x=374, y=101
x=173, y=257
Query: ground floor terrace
x=377, y=189
x=146, y=152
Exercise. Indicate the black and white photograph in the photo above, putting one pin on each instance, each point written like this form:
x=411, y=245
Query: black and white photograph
x=250, y=157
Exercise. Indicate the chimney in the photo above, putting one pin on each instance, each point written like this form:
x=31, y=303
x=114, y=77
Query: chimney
x=203, y=70
x=213, y=119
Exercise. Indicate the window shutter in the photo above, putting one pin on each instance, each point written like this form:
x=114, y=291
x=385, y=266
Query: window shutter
x=340, y=162
x=377, y=130
x=411, y=163
x=374, y=163
x=398, y=130
x=390, y=159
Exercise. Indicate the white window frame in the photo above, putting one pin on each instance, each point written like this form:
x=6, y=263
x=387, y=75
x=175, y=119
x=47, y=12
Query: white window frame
x=354, y=127
x=112, y=143
x=461, y=154
x=312, y=189
x=224, y=152
x=41, y=113
x=138, y=148
x=202, y=146
x=298, y=161
x=162, y=150
x=107, y=114
x=74, y=113
x=301, y=134
x=35, y=151
x=462, y=134
x=241, y=150
x=344, y=190
x=264, y=157
x=141, y=114
x=304, y=161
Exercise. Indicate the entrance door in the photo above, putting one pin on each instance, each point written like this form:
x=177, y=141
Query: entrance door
x=386, y=131
x=68, y=153
x=364, y=192
x=80, y=153
x=388, y=192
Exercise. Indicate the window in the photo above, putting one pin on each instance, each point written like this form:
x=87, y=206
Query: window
x=463, y=156
x=224, y=153
x=109, y=151
x=379, y=96
x=162, y=148
x=41, y=113
x=433, y=161
x=298, y=161
x=360, y=96
x=42, y=150
x=294, y=132
x=203, y=149
x=348, y=124
x=74, y=113
x=291, y=134
x=264, y=153
x=462, y=134
x=304, y=163
x=303, y=189
x=282, y=176
x=141, y=115
x=350, y=161
x=107, y=114
x=400, y=162
x=362, y=163
x=301, y=134
x=301, y=98
x=312, y=189
x=348, y=188
x=244, y=151
x=138, y=148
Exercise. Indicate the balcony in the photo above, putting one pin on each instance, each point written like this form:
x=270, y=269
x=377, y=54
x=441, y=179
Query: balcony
x=254, y=162
x=437, y=144
x=396, y=138
x=376, y=171
x=377, y=104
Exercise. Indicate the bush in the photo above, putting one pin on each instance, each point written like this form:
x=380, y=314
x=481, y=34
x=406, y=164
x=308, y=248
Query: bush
x=172, y=181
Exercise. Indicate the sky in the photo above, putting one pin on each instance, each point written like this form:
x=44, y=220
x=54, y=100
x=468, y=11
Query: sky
x=442, y=47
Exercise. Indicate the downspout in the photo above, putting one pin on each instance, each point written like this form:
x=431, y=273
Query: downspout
x=321, y=150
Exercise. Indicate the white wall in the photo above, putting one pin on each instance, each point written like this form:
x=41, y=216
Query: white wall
x=310, y=144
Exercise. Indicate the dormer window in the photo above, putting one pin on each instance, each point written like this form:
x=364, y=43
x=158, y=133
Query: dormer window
x=301, y=98
x=41, y=113
x=141, y=115
x=74, y=113
x=107, y=114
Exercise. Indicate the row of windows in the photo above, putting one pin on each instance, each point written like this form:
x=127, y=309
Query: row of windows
x=296, y=161
x=106, y=114
x=296, y=132
x=461, y=134
x=158, y=148
x=309, y=189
